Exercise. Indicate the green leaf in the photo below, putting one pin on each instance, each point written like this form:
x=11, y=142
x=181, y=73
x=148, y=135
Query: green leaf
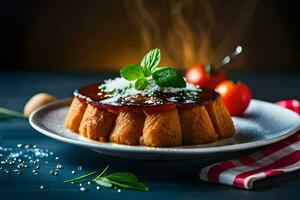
x=168, y=77
x=3, y=116
x=127, y=180
x=159, y=68
x=151, y=59
x=132, y=72
x=7, y=113
x=103, y=182
x=131, y=185
x=123, y=177
x=141, y=84
x=147, y=71
x=119, y=179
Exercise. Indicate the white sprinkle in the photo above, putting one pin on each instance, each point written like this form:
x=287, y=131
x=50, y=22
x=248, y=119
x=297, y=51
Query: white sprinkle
x=59, y=166
x=19, y=172
x=26, y=146
x=42, y=187
x=79, y=167
x=55, y=173
x=89, y=183
x=82, y=189
x=98, y=188
x=19, y=145
x=120, y=84
x=119, y=190
x=73, y=172
x=35, y=146
x=80, y=184
x=56, y=158
x=37, y=167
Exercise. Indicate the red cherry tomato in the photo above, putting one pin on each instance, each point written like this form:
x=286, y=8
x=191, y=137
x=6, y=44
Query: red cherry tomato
x=236, y=97
x=198, y=75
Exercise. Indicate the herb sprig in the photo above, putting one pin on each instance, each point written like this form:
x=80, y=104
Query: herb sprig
x=149, y=69
x=7, y=114
x=119, y=179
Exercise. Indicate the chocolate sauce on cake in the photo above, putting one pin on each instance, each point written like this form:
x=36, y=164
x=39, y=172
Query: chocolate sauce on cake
x=93, y=94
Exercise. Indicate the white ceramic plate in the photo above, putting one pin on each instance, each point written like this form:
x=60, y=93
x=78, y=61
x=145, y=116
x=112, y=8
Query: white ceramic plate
x=262, y=124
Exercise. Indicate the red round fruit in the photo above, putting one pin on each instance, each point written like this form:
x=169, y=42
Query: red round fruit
x=236, y=97
x=199, y=75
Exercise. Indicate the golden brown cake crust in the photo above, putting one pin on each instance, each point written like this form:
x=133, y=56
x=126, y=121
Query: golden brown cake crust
x=96, y=124
x=196, y=126
x=221, y=118
x=169, y=124
x=75, y=114
x=128, y=128
x=162, y=129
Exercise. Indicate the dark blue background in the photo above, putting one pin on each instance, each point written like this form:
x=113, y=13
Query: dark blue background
x=166, y=179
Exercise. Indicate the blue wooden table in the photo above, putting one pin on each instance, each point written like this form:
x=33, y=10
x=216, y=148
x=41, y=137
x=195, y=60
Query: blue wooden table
x=166, y=179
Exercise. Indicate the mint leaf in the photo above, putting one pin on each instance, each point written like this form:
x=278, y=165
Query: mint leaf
x=151, y=59
x=159, y=68
x=147, y=71
x=131, y=185
x=132, y=72
x=148, y=68
x=168, y=77
x=103, y=182
x=141, y=84
x=123, y=177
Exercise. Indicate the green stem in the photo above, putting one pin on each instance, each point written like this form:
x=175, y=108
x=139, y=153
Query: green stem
x=11, y=113
x=105, y=169
x=80, y=177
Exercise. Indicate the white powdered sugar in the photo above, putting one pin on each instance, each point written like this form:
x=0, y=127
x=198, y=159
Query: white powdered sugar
x=120, y=87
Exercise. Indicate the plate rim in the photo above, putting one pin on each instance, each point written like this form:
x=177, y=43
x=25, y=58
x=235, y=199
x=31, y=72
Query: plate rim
x=159, y=150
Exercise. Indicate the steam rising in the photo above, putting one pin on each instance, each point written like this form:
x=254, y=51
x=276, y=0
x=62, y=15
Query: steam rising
x=191, y=31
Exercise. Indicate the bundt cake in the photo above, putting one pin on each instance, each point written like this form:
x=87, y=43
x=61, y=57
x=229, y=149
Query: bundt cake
x=186, y=117
x=150, y=106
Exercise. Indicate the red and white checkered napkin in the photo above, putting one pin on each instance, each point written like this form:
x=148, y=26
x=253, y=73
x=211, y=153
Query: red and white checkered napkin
x=279, y=158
